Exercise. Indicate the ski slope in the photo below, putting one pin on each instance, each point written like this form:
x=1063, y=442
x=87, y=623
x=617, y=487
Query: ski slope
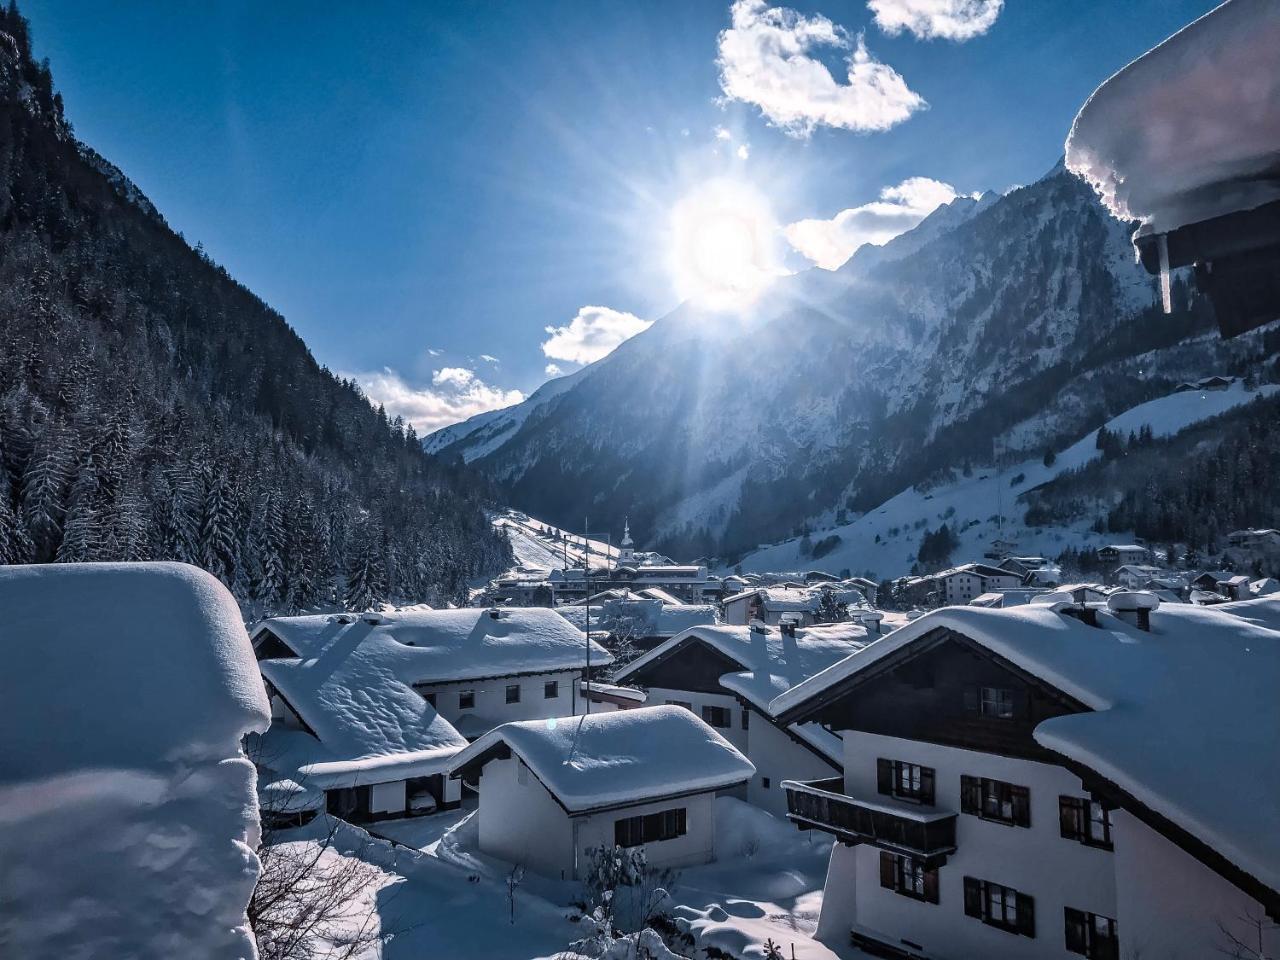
x=971, y=505
x=533, y=548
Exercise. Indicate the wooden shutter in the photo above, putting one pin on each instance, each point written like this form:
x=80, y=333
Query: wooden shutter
x=1071, y=817
x=1026, y=915
x=926, y=785
x=884, y=775
x=972, y=897
x=888, y=871
x=931, y=886
x=1021, y=802
x=970, y=794
x=1075, y=928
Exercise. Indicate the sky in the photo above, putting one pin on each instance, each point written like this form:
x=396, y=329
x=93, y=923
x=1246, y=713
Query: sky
x=453, y=202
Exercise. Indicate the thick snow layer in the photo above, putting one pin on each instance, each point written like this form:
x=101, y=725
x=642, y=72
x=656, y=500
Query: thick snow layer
x=533, y=548
x=1174, y=714
x=438, y=646
x=1191, y=129
x=886, y=539
x=620, y=757
x=127, y=811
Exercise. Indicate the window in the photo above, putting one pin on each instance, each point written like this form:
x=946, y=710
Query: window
x=680, y=703
x=764, y=782
x=908, y=876
x=996, y=702
x=513, y=693
x=746, y=719
x=650, y=828
x=1087, y=821
x=906, y=781
x=550, y=690
x=1091, y=935
x=1000, y=906
x=995, y=800
x=467, y=700
x=430, y=698
x=717, y=716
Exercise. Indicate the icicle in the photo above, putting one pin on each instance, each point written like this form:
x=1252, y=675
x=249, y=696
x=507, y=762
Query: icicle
x=1165, y=295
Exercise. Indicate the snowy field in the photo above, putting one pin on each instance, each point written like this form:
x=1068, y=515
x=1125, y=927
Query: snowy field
x=970, y=505
x=439, y=896
x=533, y=548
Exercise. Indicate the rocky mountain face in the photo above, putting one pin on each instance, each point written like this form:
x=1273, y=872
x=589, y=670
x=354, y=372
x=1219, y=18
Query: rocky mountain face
x=716, y=432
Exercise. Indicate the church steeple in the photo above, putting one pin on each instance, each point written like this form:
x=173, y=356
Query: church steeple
x=626, y=555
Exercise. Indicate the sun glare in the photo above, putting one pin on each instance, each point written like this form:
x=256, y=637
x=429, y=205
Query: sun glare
x=722, y=239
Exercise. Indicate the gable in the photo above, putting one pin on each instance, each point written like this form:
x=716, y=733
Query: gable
x=931, y=690
x=268, y=646
x=693, y=665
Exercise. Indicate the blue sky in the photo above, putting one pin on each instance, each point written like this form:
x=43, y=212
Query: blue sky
x=423, y=189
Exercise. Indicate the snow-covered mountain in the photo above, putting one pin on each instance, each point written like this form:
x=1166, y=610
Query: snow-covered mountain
x=1002, y=323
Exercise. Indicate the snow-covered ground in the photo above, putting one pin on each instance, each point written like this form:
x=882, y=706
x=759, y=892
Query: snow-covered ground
x=439, y=896
x=970, y=505
x=533, y=548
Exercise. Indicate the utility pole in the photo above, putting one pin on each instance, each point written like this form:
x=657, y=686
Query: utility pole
x=586, y=576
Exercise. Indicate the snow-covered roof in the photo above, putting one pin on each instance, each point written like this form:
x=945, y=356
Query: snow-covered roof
x=437, y=646
x=1188, y=131
x=645, y=617
x=973, y=569
x=129, y=688
x=1174, y=713
x=618, y=758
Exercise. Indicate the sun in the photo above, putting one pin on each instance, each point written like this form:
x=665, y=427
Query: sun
x=722, y=241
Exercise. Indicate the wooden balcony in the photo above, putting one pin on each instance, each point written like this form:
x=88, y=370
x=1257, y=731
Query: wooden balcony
x=924, y=833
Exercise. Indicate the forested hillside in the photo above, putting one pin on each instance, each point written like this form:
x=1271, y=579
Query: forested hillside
x=153, y=408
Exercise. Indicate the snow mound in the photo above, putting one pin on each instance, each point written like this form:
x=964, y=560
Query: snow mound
x=603, y=760
x=1191, y=129
x=127, y=811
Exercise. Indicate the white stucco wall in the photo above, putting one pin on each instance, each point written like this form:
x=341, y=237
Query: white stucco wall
x=733, y=733
x=1171, y=905
x=1037, y=860
x=491, y=698
x=520, y=822
x=696, y=846
x=778, y=757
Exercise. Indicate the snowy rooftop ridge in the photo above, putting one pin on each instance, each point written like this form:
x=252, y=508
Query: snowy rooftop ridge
x=604, y=760
x=1201, y=683
x=126, y=805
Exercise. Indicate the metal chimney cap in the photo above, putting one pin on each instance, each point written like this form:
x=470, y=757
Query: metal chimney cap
x=1123, y=601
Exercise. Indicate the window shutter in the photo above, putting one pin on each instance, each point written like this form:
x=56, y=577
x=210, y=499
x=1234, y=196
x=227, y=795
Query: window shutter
x=970, y=794
x=1069, y=817
x=884, y=775
x=1026, y=915
x=1075, y=929
x=888, y=870
x=972, y=897
x=1021, y=801
x=931, y=886
x=926, y=785
x=682, y=821
x=971, y=699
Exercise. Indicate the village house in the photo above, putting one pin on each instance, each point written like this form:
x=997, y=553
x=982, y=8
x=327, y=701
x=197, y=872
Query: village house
x=727, y=675
x=637, y=621
x=1016, y=785
x=801, y=605
x=1262, y=540
x=553, y=792
x=1022, y=566
x=1133, y=576
x=1118, y=554
x=961, y=584
x=368, y=710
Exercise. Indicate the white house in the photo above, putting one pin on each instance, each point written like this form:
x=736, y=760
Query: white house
x=1118, y=554
x=368, y=711
x=771, y=604
x=553, y=791
x=961, y=584
x=727, y=675
x=1133, y=576
x=1052, y=781
x=126, y=799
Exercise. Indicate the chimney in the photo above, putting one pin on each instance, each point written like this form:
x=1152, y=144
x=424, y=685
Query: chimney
x=1134, y=607
x=372, y=618
x=787, y=628
x=494, y=613
x=871, y=621
x=758, y=626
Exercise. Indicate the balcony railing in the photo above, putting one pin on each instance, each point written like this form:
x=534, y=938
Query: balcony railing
x=921, y=832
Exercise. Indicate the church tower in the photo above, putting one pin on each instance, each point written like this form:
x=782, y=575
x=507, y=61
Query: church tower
x=627, y=553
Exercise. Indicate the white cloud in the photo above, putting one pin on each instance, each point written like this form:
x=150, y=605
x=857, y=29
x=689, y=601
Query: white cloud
x=592, y=334
x=928, y=19
x=723, y=134
x=764, y=59
x=434, y=352
x=488, y=358
x=829, y=243
x=744, y=151
x=553, y=370
x=456, y=393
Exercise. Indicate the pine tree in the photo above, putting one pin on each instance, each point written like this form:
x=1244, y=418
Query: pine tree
x=365, y=576
x=218, y=527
